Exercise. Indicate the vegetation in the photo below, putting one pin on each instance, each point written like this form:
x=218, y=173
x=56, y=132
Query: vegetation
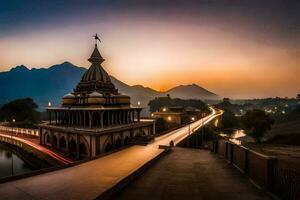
x=160, y=125
x=229, y=120
x=20, y=112
x=160, y=102
x=210, y=133
x=257, y=122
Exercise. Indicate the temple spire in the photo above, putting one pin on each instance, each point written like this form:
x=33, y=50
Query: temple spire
x=96, y=57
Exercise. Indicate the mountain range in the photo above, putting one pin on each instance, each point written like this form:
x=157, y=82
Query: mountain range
x=50, y=84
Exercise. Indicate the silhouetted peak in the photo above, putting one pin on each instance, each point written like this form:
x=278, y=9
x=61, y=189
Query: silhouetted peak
x=63, y=65
x=66, y=63
x=20, y=68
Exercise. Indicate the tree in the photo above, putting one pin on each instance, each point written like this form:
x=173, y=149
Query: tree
x=257, y=122
x=21, y=110
x=229, y=120
x=160, y=125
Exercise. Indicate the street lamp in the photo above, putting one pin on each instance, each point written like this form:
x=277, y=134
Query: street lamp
x=202, y=138
x=192, y=119
x=12, y=155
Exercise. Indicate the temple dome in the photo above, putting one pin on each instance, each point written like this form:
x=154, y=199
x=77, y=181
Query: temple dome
x=95, y=94
x=68, y=96
x=96, y=73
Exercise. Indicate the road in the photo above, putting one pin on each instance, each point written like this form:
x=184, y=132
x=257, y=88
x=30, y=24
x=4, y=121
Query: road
x=179, y=134
x=90, y=179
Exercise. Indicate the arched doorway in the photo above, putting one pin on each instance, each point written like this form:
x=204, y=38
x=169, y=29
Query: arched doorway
x=72, y=148
x=62, y=143
x=55, y=142
x=108, y=147
x=48, y=140
x=83, y=153
x=126, y=140
x=118, y=143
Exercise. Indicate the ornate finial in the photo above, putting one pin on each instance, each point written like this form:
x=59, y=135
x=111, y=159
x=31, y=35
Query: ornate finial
x=97, y=38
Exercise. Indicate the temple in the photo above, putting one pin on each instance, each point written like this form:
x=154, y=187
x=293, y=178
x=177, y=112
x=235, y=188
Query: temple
x=95, y=118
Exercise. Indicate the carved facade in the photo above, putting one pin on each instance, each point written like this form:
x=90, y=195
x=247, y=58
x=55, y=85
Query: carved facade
x=95, y=118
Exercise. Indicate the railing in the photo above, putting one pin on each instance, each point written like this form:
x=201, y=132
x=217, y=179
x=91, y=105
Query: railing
x=286, y=182
x=263, y=170
x=25, y=131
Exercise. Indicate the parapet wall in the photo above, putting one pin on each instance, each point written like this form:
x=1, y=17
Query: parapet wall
x=265, y=171
x=257, y=166
x=25, y=131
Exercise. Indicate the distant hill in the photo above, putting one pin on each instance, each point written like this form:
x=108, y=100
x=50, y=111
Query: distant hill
x=193, y=90
x=50, y=84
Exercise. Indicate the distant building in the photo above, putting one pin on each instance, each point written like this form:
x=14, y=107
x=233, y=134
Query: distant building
x=95, y=118
x=177, y=115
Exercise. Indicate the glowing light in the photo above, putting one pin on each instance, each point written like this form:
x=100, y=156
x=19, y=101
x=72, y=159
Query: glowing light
x=193, y=118
x=13, y=120
x=164, y=109
x=49, y=104
x=283, y=112
x=169, y=118
x=152, y=115
x=138, y=103
x=216, y=122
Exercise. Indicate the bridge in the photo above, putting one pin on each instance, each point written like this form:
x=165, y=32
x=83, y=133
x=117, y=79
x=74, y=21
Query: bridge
x=93, y=178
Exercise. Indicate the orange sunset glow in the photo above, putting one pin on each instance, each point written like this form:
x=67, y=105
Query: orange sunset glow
x=168, y=49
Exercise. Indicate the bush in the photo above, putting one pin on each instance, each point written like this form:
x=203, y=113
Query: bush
x=257, y=122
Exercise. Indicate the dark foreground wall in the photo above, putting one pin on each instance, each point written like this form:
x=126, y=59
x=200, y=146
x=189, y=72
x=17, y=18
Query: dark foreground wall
x=263, y=170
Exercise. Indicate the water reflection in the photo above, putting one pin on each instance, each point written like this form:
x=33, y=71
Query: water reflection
x=11, y=163
x=235, y=136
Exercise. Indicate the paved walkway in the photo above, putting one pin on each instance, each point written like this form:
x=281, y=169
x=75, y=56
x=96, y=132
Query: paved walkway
x=84, y=181
x=188, y=174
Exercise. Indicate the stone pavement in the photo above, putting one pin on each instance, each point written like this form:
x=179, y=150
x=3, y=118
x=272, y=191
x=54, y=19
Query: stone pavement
x=188, y=174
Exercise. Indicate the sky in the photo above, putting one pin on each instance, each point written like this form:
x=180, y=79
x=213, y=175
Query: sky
x=235, y=48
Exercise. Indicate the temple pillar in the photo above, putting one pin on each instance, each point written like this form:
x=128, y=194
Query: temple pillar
x=108, y=118
x=84, y=118
x=68, y=118
x=120, y=117
x=138, y=115
x=55, y=117
x=101, y=119
x=72, y=118
x=112, y=117
x=77, y=146
x=124, y=117
x=90, y=119
x=49, y=117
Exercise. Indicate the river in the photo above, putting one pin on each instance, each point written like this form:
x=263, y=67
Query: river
x=11, y=163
